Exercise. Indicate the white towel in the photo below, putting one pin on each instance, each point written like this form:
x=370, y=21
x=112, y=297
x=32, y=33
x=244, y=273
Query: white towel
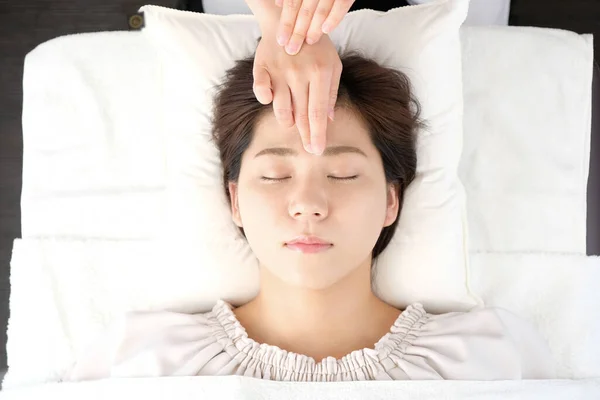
x=247, y=388
x=526, y=152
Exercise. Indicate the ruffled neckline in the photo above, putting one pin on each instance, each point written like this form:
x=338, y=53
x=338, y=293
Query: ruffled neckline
x=230, y=333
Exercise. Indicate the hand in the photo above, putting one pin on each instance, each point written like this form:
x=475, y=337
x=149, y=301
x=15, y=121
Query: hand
x=303, y=88
x=308, y=19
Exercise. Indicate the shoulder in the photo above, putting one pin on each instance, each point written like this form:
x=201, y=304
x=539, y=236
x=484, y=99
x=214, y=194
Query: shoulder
x=484, y=323
x=148, y=343
x=499, y=341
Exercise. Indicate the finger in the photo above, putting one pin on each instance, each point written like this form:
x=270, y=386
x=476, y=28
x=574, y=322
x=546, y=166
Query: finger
x=318, y=109
x=282, y=104
x=278, y=3
x=287, y=20
x=333, y=91
x=262, y=84
x=299, y=91
x=339, y=10
x=321, y=13
x=303, y=20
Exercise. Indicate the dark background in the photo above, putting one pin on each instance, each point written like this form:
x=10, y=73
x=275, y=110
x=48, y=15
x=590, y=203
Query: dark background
x=25, y=24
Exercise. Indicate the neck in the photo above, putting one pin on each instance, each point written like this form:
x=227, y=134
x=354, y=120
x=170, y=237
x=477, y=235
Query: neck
x=318, y=323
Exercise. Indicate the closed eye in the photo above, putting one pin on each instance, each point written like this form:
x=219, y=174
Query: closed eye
x=337, y=178
x=266, y=178
x=344, y=178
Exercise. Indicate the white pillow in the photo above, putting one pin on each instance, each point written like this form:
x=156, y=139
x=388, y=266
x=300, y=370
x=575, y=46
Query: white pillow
x=427, y=259
x=94, y=159
x=93, y=154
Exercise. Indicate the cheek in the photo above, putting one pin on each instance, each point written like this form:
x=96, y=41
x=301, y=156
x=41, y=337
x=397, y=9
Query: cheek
x=363, y=207
x=257, y=204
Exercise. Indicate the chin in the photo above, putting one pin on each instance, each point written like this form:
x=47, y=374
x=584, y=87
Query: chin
x=315, y=278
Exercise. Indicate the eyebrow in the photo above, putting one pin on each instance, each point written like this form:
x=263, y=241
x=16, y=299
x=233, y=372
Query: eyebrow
x=329, y=151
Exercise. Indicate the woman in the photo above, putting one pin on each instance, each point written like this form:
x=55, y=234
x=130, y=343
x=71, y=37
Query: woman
x=315, y=223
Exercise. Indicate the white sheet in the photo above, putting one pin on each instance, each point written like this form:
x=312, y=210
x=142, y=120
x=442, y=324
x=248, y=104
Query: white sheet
x=94, y=155
x=560, y=293
x=233, y=387
x=65, y=291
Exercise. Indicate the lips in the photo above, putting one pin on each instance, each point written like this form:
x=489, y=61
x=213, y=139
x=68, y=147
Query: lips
x=308, y=240
x=308, y=244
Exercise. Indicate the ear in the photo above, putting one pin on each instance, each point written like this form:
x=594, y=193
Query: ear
x=235, y=208
x=393, y=204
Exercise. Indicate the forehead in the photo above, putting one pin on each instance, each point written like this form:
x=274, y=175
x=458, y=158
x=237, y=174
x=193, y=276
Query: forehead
x=347, y=129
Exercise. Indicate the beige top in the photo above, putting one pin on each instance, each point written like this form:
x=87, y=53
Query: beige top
x=482, y=344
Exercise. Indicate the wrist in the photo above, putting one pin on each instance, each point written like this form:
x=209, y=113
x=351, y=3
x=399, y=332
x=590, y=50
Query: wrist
x=267, y=14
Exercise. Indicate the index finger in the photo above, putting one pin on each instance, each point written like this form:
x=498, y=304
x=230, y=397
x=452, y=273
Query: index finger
x=287, y=20
x=339, y=10
x=318, y=110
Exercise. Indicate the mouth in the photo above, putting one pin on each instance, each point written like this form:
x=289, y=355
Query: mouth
x=308, y=245
x=308, y=248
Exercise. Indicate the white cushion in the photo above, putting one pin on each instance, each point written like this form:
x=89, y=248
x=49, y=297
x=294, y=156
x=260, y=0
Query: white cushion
x=427, y=259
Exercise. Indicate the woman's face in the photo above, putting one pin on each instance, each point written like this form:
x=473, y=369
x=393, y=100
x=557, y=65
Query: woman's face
x=283, y=192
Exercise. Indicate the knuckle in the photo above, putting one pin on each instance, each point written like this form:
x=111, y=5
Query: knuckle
x=298, y=36
x=293, y=3
x=260, y=81
x=317, y=114
x=296, y=72
x=322, y=11
x=282, y=111
x=321, y=70
x=261, y=90
x=317, y=67
x=284, y=118
x=302, y=118
x=287, y=25
x=305, y=12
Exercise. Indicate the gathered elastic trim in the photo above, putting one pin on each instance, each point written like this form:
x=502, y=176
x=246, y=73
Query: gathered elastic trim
x=235, y=341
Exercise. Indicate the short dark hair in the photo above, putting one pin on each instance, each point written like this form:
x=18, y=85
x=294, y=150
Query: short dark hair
x=382, y=97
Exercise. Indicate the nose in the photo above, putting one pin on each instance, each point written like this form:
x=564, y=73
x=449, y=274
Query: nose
x=309, y=202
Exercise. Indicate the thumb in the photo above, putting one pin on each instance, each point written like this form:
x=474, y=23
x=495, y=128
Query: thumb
x=262, y=84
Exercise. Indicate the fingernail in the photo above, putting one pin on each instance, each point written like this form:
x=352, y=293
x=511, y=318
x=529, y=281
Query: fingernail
x=308, y=147
x=331, y=114
x=317, y=150
x=310, y=41
x=292, y=49
x=326, y=28
x=281, y=39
